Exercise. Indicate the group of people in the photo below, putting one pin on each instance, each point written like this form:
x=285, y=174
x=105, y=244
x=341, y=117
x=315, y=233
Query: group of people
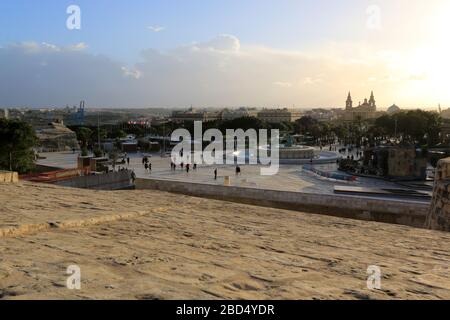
x=187, y=167
x=173, y=166
x=349, y=151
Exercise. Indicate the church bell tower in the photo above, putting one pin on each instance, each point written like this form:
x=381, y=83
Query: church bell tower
x=349, y=102
x=372, y=102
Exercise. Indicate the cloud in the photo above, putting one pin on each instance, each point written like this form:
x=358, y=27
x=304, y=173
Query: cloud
x=78, y=46
x=283, y=84
x=222, y=43
x=156, y=28
x=133, y=73
x=219, y=72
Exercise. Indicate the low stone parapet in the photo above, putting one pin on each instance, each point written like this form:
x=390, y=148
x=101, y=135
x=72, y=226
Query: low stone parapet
x=410, y=213
x=9, y=177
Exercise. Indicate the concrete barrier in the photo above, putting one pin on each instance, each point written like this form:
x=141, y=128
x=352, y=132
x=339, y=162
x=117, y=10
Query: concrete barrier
x=9, y=177
x=410, y=213
x=108, y=181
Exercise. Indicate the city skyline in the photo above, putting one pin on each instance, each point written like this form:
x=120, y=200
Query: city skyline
x=256, y=54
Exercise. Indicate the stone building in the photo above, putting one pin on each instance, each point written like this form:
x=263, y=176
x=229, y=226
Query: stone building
x=194, y=115
x=279, y=115
x=364, y=111
x=228, y=114
x=445, y=114
x=439, y=214
x=398, y=162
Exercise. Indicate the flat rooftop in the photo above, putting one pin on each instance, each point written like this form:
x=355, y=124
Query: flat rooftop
x=155, y=245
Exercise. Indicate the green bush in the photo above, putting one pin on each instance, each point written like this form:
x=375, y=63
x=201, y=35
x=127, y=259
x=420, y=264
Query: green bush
x=17, y=138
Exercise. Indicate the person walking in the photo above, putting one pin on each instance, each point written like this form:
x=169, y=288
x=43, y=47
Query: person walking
x=150, y=167
x=128, y=161
x=146, y=167
x=215, y=174
x=187, y=168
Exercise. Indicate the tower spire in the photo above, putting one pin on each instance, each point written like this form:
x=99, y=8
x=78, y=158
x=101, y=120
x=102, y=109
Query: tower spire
x=372, y=102
x=349, y=102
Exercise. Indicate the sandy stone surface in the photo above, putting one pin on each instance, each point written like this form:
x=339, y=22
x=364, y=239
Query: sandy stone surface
x=154, y=245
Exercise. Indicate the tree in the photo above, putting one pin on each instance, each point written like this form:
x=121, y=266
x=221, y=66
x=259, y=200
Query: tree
x=84, y=135
x=305, y=124
x=415, y=126
x=17, y=138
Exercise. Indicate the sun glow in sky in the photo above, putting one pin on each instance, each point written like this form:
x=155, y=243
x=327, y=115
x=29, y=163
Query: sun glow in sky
x=216, y=53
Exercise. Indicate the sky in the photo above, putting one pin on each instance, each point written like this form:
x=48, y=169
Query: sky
x=227, y=53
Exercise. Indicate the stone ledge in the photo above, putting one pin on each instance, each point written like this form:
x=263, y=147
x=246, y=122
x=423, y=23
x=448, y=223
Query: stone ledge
x=9, y=177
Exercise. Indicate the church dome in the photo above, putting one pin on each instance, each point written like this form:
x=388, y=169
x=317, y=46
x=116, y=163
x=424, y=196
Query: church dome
x=393, y=109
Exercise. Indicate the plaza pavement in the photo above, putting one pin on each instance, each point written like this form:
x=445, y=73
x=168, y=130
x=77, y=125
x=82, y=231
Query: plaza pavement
x=288, y=178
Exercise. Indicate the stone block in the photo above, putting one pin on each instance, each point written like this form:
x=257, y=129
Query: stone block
x=9, y=177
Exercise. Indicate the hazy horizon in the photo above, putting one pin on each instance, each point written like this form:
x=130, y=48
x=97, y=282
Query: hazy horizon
x=173, y=54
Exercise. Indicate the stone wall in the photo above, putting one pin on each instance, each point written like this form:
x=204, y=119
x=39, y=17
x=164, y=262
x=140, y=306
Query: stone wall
x=411, y=213
x=439, y=214
x=108, y=181
x=9, y=177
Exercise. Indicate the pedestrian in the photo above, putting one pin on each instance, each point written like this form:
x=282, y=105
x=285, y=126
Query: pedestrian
x=146, y=167
x=187, y=167
x=215, y=174
x=195, y=166
x=128, y=161
x=133, y=176
x=238, y=170
x=150, y=167
x=182, y=165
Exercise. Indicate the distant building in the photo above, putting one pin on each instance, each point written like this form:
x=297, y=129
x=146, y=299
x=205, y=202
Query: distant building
x=398, y=162
x=393, y=109
x=365, y=111
x=445, y=114
x=194, y=115
x=279, y=115
x=77, y=117
x=228, y=114
x=445, y=132
x=323, y=115
x=4, y=113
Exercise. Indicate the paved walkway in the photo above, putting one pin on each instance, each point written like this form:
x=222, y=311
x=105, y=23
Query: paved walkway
x=288, y=178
